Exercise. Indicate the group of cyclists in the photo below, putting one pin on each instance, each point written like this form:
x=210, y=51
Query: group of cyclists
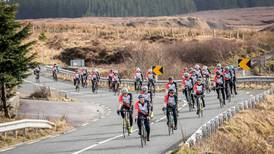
x=196, y=83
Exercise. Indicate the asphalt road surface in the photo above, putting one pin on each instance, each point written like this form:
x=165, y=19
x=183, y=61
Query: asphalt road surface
x=104, y=136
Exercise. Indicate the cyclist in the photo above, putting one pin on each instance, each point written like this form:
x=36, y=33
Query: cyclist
x=76, y=78
x=219, y=69
x=94, y=80
x=206, y=75
x=198, y=71
x=193, y=76
x=125, y=100
x=171, y=101
x=199, y=90
x=151, y=78
x=172, y=85
x=54, y=70
x=182, y=72
x=142, y=112
x=233, y=73
x=110, y=76
x=228, y=81
x=36, y=72
x=116, y=81
x=138, y=76
x=219, y=85
x=84, y=77
x=97, y=73
x=148, y=97
x=187, y=85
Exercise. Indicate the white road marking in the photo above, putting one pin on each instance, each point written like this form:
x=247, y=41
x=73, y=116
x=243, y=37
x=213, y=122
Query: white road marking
x=6, y=149
x=84, y=124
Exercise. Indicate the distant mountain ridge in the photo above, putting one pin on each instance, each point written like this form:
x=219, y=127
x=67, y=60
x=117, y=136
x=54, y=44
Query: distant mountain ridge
x=121, y=8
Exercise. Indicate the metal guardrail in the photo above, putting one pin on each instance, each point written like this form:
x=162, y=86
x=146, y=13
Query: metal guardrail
x=267, y=79
x=25, y=123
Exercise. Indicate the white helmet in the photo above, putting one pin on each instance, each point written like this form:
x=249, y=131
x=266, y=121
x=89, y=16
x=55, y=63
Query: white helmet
x=205, y=67
x=138, y=69
x=145, y=88
x=197, y=66
x=124, y=91
x=150, y=70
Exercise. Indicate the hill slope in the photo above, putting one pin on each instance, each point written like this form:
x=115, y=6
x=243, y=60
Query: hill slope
x=115, y=8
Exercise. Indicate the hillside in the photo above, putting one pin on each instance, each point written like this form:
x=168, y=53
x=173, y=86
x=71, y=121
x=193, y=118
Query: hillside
x=123, y=8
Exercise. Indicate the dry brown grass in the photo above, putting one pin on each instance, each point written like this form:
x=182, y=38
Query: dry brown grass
x=45, y=93
x=249, y=132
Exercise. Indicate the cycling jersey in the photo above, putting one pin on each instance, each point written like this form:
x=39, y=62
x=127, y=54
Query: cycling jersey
x=76, y=76
x=220, y=70
x=194, y=77
x=171, y=100
x=199, y=89
x=219, y=80
x=93, y=76
x=125, y=99
x=142, y=109
x=227, y=75
x=54, y=69
x=147, y=96
x=150, y=76
x=172, y=86
x=187, y=83
x=115, y=78
x=206, y=73
x=198, y=73
x=138, y=75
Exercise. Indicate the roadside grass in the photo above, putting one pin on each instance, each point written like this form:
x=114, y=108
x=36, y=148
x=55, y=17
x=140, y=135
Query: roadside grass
x=250, y=131
x=32, y=135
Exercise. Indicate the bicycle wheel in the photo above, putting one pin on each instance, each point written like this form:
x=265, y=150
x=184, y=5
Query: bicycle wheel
x=201, y=109
x=145, y=134
x=124, y=134
x=198, y=108
x=142, y=135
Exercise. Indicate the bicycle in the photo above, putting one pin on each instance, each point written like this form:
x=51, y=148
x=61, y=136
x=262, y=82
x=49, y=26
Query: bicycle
x=189, y=100
x=37, y=77
x=207, y=85
x=54, y=75
x=199, y=106
x=77, y=86
x=170, y=123
x=138, y=85
x=143, y=135
x=228, y=94
x=115, y=87
x=94, y=85
x=126, y=123
x=151, y=86
x=221, y=101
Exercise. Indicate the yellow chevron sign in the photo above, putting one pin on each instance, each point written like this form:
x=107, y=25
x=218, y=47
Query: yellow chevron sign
x=244, y=63
x=158, y=70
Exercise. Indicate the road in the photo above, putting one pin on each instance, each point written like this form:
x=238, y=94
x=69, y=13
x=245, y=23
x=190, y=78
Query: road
x=104, y=135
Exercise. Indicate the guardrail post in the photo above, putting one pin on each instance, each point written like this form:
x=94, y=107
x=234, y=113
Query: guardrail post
x=25, y=131
x=15, y=132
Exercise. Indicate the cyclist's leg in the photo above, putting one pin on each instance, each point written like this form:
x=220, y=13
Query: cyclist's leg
x=192, y=97
x=167, y=115
x=231, y=86
x=139, y=125
x=135, y=85
x=226, y=89
x=197, y=103
x=130, y=119
x=185, y=92
x=174, y=116
x=223, y=93
x=146, y=122
x=203, y=100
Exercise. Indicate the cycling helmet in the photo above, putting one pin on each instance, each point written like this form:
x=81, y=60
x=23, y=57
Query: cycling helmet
x=231, y=67
x=186, y=74
x=141, y=97
x=145, y=88
x=197, y=66
x=199, y=79
x=171, y=91
x=205, y=67
x=170, y=78
x=219, y=65
x=138, y=69
x=218, y=73
x=124, y=91
x=227, y=68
